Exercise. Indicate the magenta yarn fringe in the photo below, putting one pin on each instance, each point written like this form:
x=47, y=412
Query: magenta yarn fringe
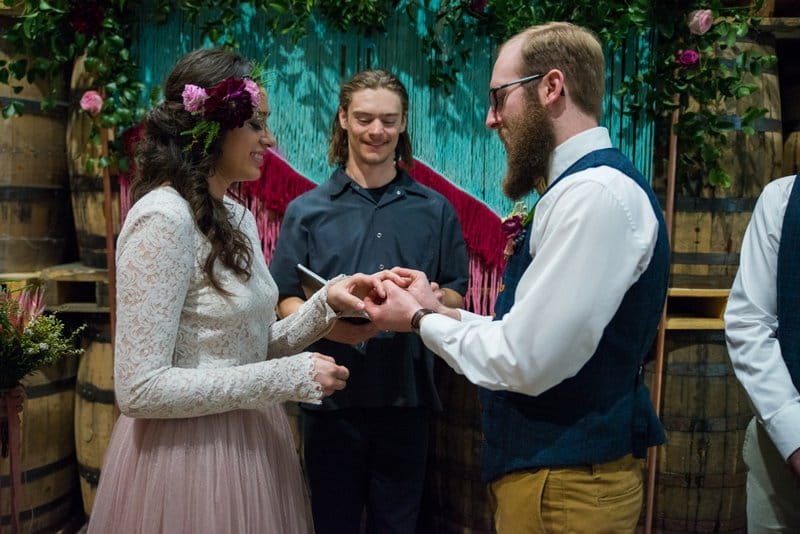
x=279, y=184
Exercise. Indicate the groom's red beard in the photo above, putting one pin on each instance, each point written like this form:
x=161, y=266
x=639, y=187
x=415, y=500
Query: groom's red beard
x=529, y=142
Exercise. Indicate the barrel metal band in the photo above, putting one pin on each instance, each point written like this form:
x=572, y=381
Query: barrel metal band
x=713, y=205
x=92, y=393
x=705, y=258
x=762, y=124
x=33, y=107
x=32, y=194
x=56, y=386
x=41, y=510
x=39, y=472
x=90, y=474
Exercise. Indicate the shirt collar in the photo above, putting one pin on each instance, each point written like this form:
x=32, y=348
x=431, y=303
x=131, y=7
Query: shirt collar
x=575, y=148
x=340, y=181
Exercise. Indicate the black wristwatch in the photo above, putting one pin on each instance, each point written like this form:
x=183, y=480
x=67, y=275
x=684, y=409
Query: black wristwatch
x=417, y=317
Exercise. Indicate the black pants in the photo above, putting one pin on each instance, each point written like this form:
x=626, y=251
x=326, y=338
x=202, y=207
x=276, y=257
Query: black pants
x=366, y=458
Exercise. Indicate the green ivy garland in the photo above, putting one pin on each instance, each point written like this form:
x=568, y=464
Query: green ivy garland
x=49, y=35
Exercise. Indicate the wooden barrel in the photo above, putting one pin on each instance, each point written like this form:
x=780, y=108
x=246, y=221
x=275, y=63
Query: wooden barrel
x=49, y=477
x=791, y=149
x=700, y=484
x=790, y=93
x=86, y=184
x=94, y=406
x=708, y=227
x=753, y=160
x=456, y=501
x=34, y=204
x=706, y=239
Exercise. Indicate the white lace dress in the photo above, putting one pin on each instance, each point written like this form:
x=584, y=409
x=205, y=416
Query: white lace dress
x=203, y=444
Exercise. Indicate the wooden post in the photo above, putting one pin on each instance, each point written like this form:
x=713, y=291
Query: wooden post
x=110, y=248
x=655, y=395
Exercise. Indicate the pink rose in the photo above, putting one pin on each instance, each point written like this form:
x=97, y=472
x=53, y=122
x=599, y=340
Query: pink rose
x=193, y=97
x=255, y=95
x=91, y=102
x=700, y=21
x=688, y=58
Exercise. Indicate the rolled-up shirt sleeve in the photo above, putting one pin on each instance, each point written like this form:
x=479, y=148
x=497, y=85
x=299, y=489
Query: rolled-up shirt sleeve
x=751, y=323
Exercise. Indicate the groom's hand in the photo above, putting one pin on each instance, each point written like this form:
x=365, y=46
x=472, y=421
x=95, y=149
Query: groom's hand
x=427, y=294
x=394, y=311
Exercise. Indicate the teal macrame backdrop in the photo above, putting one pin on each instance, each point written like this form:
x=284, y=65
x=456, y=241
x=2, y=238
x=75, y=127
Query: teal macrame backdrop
x=447, y=130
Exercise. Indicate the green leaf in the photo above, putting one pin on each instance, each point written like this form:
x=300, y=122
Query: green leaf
x=45, y=6
x=18, y=68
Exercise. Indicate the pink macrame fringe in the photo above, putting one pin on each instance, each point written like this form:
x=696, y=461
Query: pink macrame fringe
x=279, y=184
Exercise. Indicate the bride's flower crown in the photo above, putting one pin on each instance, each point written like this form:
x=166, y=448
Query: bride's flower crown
x=226, y=106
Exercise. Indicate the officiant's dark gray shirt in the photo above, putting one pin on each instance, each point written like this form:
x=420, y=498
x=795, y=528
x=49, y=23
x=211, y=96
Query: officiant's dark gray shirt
x=339, y=227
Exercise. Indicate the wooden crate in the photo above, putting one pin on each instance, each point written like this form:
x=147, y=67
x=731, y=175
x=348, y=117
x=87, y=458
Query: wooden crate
x=74, y=287
x=696, y=309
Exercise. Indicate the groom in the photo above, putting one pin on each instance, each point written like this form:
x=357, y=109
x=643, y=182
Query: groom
x=566, y=417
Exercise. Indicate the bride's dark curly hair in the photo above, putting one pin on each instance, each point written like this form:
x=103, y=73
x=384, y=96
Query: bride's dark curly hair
x=162, y=157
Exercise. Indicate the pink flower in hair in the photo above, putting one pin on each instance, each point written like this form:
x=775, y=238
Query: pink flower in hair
x=255, y=95
x=91, y=102
x=193, y=97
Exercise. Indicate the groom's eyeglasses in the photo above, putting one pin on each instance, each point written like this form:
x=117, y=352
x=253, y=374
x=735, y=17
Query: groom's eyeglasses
x=496, y=101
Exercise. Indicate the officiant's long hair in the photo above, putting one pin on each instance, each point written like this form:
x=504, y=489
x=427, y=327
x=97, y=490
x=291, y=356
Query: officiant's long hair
x=165, y=155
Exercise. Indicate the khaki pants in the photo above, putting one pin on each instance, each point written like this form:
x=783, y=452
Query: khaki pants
x=773, y=498
x=598, y=498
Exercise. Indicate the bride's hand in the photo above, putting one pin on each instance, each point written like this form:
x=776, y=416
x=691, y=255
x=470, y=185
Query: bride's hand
x=348, y=293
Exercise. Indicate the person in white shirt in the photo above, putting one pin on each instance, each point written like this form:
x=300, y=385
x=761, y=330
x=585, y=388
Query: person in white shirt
x=565, y=415
x=757, y=336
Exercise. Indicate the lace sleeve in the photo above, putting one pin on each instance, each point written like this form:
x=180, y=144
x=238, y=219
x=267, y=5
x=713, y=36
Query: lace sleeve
x=155, y=264
x=312, y=320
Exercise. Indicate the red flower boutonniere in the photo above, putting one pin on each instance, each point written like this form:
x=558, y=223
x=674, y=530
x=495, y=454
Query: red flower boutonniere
x=513, y=225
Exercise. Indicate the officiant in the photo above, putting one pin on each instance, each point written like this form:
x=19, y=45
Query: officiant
x=365, y=447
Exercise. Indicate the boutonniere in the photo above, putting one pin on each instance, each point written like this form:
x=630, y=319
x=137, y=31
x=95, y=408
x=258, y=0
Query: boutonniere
x=513, y=225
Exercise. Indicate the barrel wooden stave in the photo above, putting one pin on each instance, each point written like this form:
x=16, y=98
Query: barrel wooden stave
x=700, y=483
x=457, y=501
x=94, y=408
x=753, y=160
x=50, y=490
x=706, y=240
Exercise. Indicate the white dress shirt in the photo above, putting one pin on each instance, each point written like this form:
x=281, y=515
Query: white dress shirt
x=751, y=322
x=593, y=235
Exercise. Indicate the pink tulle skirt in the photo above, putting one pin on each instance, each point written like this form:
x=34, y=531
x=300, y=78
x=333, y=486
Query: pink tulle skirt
x=235, y=472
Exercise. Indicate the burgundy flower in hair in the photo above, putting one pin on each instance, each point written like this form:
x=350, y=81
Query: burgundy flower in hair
x=229, y=103
x=226, y=106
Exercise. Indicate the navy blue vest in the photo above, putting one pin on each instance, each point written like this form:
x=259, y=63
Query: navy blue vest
x=603, y=412
x=788, y=285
